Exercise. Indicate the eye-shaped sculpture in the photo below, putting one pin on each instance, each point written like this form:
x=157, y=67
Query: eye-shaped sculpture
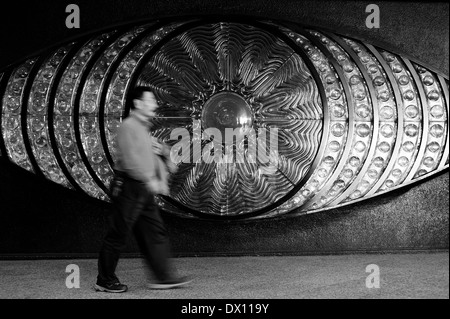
x=333, y=120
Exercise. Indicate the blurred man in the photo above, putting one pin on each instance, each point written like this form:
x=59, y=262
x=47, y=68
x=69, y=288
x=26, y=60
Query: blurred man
x=140, y=174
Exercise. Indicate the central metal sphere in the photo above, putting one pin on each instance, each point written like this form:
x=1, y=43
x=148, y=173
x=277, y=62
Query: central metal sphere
x=227, y=110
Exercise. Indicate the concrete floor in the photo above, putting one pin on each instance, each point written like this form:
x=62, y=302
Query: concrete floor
x=402, y=276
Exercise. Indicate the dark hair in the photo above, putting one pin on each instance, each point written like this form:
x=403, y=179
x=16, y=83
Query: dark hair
x=137, y=93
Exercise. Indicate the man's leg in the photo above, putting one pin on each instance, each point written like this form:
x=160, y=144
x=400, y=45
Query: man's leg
x=126, y=208
x=113, y=244
x=153, y=240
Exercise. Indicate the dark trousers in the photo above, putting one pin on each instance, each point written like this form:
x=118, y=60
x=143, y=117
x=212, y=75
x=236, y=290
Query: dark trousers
x=134, y=210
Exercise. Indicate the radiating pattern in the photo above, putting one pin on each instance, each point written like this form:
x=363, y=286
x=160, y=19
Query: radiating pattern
x=253, y=68
x=319, y=120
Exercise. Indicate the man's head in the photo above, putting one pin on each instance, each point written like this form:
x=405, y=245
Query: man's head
x=144, y=101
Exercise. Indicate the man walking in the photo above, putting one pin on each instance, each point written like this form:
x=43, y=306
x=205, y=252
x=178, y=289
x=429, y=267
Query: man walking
x=139, y=176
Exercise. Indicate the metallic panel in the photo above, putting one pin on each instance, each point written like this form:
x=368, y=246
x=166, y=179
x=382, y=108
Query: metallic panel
x=337, y=120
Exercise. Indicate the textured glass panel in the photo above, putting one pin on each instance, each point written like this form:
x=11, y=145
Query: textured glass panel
x=335, y=134
x=115, y=99
x=362, y=126
x=267, y=83
x=438, y=132
x=64, y=117
x=90, y=105
x=409, y=136
x=12, y=104
x=317, y=120
x=386, y=113
x=37, y=117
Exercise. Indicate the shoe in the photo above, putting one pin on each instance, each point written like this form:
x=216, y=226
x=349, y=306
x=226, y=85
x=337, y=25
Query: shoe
x=114, y=287
x=169, y=284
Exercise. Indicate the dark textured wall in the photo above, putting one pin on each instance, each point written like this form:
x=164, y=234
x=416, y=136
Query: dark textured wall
x=41, y=218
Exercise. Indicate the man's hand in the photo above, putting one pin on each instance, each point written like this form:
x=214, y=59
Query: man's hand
x=157, y=187
x=157, y=147
x=173, y=168
x=164, y=189
x=153, y=186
